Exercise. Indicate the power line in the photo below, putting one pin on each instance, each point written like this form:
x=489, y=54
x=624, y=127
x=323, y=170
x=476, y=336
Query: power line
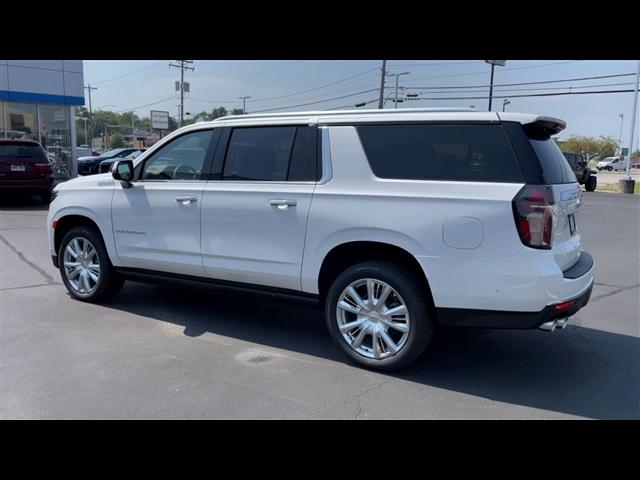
x=524, y=83
x=313, y=103
x=142, y=106
x=128, y=74
x=525, y=95
x=503, y=70
x=533, y=89
x=315, y=88
x=467, y=62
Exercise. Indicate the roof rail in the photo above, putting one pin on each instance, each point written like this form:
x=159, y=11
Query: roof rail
x=393, y=111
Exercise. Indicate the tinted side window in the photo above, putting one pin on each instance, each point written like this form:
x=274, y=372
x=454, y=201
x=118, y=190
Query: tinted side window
x=182, y=159
x=259, y=154
x=440, y=152
x=302, y=167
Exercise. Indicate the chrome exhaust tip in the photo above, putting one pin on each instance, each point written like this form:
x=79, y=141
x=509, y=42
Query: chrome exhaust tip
x=549, y=326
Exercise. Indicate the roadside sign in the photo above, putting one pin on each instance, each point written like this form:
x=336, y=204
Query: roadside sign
x=159, y=120
x=625, y=152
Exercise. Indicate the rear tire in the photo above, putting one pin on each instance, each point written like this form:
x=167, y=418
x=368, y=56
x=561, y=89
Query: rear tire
x=591, y=184
x=379, y=340
x=85, y=267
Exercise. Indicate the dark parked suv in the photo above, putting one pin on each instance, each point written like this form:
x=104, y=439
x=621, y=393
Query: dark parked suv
x=25, y=168
x=584, y=175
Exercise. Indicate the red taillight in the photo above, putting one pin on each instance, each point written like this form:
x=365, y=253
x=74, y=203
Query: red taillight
x=43, y=167
x=533, y=211
x=564, y=305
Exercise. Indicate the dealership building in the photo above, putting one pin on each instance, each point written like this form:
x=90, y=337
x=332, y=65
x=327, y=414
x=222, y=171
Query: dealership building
x=37, y=102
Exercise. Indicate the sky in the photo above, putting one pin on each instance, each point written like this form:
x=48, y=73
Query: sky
x=288, y=85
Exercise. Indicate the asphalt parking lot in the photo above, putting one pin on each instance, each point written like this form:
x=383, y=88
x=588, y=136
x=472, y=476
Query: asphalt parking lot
x=163, y=352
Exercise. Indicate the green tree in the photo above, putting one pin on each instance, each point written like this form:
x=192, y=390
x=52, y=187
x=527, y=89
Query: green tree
x=602, y=146
x=116, y=141
x=237, y=111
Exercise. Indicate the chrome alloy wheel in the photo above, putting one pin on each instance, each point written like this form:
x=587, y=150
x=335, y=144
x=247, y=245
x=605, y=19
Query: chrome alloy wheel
x=373, y=318
x=82, y=266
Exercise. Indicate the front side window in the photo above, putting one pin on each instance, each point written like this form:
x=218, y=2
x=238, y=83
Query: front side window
x=259, y=154
x=478, y=153
x=182, y=159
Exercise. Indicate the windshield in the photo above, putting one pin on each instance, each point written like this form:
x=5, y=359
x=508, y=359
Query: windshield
x=111, y=153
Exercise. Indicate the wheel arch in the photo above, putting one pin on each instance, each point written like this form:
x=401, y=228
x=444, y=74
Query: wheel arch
x=347, y=254
x=72, y=220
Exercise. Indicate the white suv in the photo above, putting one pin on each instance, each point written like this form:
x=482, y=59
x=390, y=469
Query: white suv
x=395, y=220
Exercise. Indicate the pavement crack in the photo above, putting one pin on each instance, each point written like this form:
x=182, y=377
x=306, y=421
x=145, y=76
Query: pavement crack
x=368, y=390
x=22, y=257
x=613, y=292
x=600, y=357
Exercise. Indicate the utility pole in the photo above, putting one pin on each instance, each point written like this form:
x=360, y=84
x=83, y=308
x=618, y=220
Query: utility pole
x=384, y=72
x=244, y=104
x=182, y=65
x=88, y=88
x=397, y=75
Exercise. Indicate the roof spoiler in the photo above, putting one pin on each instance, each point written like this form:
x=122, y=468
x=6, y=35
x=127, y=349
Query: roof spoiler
x=545, y=126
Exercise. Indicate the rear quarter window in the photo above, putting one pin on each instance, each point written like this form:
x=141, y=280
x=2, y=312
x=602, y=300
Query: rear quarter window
x=479, y=153
x=555, y=167
x=17, y=150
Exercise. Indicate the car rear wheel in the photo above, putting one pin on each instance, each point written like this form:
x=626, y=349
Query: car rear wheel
x=591, y=184
x=378, y=313
x=85, y=267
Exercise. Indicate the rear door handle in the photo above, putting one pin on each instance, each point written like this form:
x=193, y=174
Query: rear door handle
x=186, y=199
x=282, y=203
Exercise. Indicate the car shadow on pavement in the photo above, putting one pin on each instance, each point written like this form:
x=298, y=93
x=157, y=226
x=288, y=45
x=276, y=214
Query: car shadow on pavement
x=17, y=202
x=577, y=371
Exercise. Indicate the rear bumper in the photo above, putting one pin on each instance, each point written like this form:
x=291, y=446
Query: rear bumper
x=579, y=278
x=461, y=317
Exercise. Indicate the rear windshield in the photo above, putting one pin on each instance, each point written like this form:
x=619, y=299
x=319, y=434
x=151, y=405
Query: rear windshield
x=476, y=153
x=554, y=164
x=17, y=150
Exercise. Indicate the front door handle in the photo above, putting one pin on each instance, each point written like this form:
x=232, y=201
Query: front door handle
x=282, y=203
x=186, y=199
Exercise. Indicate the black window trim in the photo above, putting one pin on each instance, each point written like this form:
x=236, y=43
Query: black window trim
x=206, y=166
x=220, y=159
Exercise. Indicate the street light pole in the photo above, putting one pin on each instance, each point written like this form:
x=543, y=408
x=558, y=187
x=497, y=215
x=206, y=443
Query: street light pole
x=493, y=63
x=633, y=125
x=621, y=115
x=505, y=102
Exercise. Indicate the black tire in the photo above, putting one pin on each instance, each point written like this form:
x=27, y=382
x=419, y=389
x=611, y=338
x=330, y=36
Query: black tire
x=591, y=184
x=416, y=299
x=109, y=282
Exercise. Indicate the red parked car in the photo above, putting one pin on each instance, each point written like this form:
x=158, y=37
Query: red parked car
x=25, y=168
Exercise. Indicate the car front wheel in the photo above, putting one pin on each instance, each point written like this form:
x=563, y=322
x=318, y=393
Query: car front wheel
x=85, y=267
x=378, y=313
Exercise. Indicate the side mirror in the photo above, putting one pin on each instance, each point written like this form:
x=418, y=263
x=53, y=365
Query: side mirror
x=123, y=171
